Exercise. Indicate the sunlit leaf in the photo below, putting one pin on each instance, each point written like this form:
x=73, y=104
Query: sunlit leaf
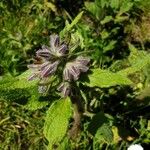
x=57, y=120
x=104, y=78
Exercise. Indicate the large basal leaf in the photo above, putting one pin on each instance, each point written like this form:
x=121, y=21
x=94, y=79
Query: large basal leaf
x=19, y=82
x=22, y=91
x=105, y=78
x=18, y=88
x=57, y=121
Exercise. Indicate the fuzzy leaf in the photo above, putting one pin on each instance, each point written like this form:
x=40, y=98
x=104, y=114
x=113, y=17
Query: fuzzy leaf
x=57, y=121
x=17, y=89
x=22, y=91
x=105, y=78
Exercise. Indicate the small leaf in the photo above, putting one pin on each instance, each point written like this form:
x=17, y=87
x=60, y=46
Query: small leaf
x=106, y=20
x=105, y=78
x=102, y=3
x=110, y=46
x=57, y=121
x=125, y=7
x=119, y=18
x=104, y=133
x=68, y=26
x=114, y=4
x=115, y=131
x=75, y=21
x=91, y=7
x=139, y=64
x=104, y=34
x=51, y=6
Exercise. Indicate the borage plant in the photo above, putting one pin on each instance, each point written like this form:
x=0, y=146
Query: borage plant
x=56, y=61
x=75, y=89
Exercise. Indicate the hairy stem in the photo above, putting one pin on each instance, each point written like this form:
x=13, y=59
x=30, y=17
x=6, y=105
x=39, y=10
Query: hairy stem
x=78, y=111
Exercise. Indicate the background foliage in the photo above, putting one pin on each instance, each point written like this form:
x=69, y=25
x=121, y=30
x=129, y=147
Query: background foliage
x=114, y=93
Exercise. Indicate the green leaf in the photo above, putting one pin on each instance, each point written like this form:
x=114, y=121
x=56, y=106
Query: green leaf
x=114, y=4
x=104, y=34
x=136, y=67
x=68, y=26
x=18, y=82
x=138, y=60
x=125, y=7
x=57, y=121
x=110, y=46
x=34, y=101
x=51, y=6
x=105, y=78
x=17, y=89
x=119, y=18
x=104, y=133
x=136, y=55
x=22, y=91
x=102, y=3
x=75, y=21
x=106, y=20
x=98, y=120
x=64, y=145
x=91, y=7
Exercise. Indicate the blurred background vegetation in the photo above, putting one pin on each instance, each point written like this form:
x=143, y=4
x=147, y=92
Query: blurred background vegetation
x=108, y=28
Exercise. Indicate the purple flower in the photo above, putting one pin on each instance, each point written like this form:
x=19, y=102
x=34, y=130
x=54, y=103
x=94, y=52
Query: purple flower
x=44, y=53
x=65, y=89
x=73, y=69
x=49, y=69
x=48, y=59
x=43, y=70
x=56, y=49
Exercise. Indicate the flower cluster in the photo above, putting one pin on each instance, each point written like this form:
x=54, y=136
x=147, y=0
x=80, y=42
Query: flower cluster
x=50, y=60
x=73, y=69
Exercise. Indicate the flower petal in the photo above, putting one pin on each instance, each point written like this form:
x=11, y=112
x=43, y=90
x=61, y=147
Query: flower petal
x=83, y=60
x=74, y=71
x=83, y=68
x=62, y=49
x=34, y=66
x=54, y=41
x=44, y=52
x=44, y=65
x=66, y=75
x=65, y=89
x=49, y=69
x=32, y=77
